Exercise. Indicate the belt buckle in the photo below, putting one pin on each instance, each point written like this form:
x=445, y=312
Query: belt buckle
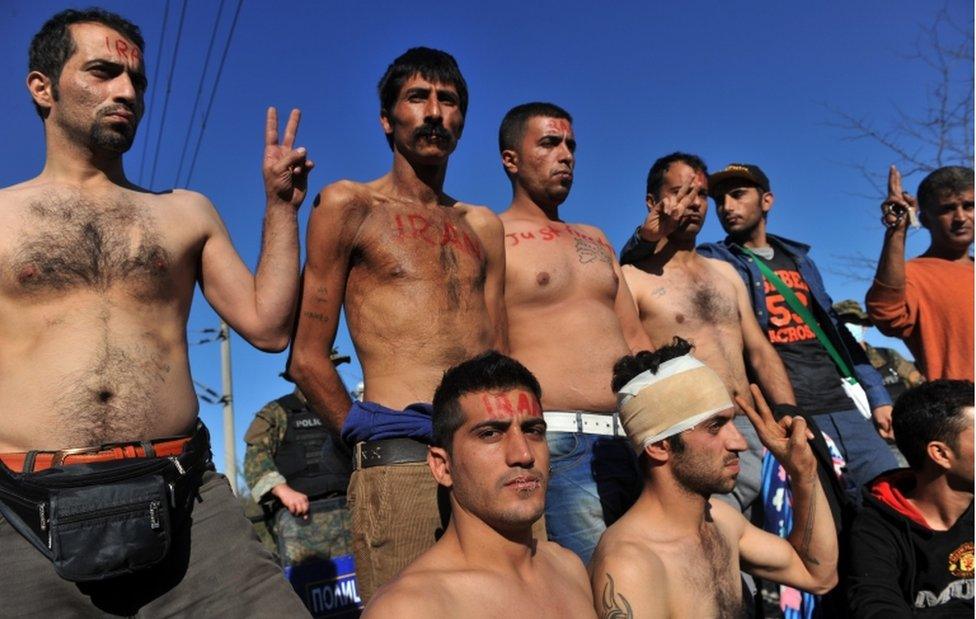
x=58, y=458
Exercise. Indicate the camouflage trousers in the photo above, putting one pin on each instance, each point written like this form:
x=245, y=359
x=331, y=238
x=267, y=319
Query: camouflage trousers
x=325, y=534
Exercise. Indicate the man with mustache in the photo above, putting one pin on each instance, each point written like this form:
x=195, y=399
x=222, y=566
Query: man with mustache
x=105, y=468
x=677, y=552
x=420, y=275
x=489, y=453
x=928, y=301
x=702, y=300
x=565, y=277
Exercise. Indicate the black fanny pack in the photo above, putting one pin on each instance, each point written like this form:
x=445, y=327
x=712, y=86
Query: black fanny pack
x=105, y=519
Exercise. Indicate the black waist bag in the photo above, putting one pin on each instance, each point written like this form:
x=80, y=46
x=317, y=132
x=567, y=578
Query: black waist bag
x=102, y=520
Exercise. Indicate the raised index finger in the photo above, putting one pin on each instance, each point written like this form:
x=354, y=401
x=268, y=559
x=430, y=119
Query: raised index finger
x=271, y=128
x=291, y=128
x=894, y=183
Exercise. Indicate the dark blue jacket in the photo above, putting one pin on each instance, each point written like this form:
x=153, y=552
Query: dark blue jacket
x=637, y=249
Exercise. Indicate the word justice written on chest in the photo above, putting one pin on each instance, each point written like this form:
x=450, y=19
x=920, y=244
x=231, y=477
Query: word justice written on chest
x=551, y=233
x=437, y=233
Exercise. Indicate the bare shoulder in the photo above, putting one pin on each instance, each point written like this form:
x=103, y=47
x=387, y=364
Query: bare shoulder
x=627, y=557
x=415, y=593
x=729, y=520
x=722, y=268
x=566, y=562
x=344, y=195
x=481, y=217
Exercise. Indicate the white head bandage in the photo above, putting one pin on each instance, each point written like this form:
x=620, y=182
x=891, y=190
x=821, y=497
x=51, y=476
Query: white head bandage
x=682, y=393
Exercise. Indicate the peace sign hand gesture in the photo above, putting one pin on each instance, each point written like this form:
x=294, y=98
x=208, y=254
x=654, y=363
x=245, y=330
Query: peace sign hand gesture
x=285, y=168
x=786, y=440
x=664, y=215
x=899, y=208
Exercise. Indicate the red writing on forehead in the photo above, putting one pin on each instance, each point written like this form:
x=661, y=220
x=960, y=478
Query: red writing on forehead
x=437, y=234
x=509, y=404
x=558, y=125
x=123, y=49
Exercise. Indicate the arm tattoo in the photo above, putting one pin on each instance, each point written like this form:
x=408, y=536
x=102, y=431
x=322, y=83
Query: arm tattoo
x=611, y=609
x=314, y=316
x=804, y=549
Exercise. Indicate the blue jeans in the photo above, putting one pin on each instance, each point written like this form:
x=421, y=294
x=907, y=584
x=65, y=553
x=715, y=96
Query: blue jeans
x=594, y=480
x=866, y=453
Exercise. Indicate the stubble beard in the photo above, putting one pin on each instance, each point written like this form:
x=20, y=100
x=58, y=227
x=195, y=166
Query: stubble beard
x=110, y=141
x=695, y=476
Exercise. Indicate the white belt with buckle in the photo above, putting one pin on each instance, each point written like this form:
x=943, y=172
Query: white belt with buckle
x=584, y=423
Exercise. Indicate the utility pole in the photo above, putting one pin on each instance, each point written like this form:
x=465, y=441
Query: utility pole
x=227, y=399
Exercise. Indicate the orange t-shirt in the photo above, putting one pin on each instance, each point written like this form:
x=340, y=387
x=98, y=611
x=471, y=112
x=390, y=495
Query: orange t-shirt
x=933, y=314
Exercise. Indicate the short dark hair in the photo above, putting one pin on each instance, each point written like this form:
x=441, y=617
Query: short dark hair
x=930, y=412
x=943, y=182
x=626, y=368
x=512, y=129
x=53, y=44
x=432, y=64
x=489, y=371
x=655, y=176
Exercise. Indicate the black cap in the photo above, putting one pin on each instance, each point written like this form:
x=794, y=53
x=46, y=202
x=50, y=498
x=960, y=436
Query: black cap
x=744, y=171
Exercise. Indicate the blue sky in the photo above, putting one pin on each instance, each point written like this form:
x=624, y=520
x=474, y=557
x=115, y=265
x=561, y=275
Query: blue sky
x=747, y=81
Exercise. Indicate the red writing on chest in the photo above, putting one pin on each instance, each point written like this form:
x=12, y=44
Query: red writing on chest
x=511, y=403
x=123, y=49
x=437, y=234
x=553, y=232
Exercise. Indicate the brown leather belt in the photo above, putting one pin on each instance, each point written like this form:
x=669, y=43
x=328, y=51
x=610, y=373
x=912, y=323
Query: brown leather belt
x=35, y=461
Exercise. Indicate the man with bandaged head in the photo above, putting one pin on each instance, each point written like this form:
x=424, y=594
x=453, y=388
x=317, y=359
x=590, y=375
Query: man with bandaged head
x=677, y=415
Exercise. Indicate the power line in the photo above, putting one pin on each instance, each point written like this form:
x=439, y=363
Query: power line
x=213, y=93
x=159, y=58
x=169, y=87
x=196, y=102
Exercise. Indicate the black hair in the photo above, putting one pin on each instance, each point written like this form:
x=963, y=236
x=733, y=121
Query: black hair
x=930, y=412
x=433, y=65
x=943, y=182
x=512, y=129
x=489, y=371
x=626, y=368
x=53, y=44
x=655, y=176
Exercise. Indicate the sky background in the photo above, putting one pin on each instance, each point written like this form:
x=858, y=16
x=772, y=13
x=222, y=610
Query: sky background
x=745, y=81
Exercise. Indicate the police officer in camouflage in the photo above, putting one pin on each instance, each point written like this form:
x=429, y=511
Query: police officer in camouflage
x=298, y=471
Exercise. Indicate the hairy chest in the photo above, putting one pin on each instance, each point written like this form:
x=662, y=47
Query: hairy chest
x=545, y=263
x=683, y=298
x=58, y=244
x=707, y=570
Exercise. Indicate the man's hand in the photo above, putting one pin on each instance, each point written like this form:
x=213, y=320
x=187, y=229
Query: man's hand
x=293, y=500
x=665, y=215
x=285, y=169
x=786, y=440
x=882, y=419
x=899, y=208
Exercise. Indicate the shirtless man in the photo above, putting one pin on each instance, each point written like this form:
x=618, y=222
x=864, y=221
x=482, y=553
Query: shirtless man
x=420, y=276
x=678, y=415
x=570, y=317
x=703, y=300
x=489, y=452
x=95, y=288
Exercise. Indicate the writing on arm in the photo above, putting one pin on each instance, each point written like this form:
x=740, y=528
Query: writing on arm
x=332, y=229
